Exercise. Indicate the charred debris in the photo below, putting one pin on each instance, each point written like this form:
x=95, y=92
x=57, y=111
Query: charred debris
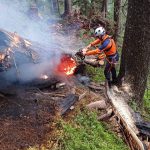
x=30, y=72
x=36, y=85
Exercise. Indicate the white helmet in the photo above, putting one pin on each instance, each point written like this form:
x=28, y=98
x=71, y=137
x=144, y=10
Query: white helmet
x=100, y=31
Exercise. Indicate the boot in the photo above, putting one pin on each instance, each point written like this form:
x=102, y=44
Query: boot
x=109, y=84
x=114, y=81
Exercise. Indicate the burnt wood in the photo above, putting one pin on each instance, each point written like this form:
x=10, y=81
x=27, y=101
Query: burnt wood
x=65, y=104
x=144, y=128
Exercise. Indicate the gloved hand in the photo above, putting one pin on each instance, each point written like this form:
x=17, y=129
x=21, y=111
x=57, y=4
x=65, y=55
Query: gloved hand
x=84, y=51
x=88, y=46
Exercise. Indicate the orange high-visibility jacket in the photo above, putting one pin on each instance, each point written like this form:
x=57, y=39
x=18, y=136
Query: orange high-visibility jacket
x=108, y=46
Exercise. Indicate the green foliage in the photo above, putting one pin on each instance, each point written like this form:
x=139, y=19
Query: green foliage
x=133, y=105
x=88, y=7
x=96, y=74
x=146, y=110
x=86, y=133
x=110, y=13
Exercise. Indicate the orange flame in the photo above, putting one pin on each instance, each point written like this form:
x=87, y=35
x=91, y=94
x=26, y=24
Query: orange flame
x=67, y=65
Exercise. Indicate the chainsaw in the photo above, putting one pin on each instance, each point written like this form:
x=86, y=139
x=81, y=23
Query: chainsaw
x=99, y=61
x=79, y=55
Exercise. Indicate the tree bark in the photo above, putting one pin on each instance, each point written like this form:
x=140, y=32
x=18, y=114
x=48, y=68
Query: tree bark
x=67, y=7
x=117, y=7
x=104, y=8
x=54, y=6
x=135, y=58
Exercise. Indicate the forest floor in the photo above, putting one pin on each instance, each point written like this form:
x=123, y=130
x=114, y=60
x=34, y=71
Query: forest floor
x=29, y=117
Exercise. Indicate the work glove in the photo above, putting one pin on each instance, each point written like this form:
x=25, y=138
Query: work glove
x=88, y=46
x=84, y=50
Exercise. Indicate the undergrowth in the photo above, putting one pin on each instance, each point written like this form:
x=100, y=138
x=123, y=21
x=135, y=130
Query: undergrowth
x=145, y=110
x=96, y=74
x=146, y=105
x=86, y=133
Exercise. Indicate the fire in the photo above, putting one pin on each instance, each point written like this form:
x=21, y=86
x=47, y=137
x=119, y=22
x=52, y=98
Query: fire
x=67, y=65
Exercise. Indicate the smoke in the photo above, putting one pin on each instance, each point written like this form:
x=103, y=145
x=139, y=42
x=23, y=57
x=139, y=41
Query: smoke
x=14, y=17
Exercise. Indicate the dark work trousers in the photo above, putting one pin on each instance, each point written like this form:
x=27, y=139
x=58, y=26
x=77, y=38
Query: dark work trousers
x=110, y=70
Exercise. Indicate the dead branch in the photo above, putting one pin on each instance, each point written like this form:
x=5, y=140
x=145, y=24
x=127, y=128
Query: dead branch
x=106, y=116
x=97, y=105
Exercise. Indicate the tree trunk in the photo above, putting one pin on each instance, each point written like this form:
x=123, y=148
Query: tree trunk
x=54, y=6
x=67, y=7
x=136, y=48
x=104, y=8
x=117, y=7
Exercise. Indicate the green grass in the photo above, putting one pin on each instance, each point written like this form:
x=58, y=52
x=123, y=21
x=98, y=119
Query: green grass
x=96, y=74
x=86, y=133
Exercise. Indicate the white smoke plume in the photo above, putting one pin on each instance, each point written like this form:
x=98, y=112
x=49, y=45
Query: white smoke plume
x=14, y=18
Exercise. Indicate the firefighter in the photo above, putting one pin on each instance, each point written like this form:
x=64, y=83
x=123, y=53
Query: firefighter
x=108, y=47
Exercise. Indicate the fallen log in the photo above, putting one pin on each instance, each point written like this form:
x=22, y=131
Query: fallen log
x=144, y=128
x=125, y=120
x=96, y=87
x=97, y=105
x=82, y=95
x=65, y=104
x=94, y=62
x=44, y=83
x=106, y=116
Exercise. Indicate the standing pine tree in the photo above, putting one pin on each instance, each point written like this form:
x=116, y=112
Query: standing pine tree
x=54, y=6
x=104, y=8
x=67, y=7
x=117, y=10
x=135, y=59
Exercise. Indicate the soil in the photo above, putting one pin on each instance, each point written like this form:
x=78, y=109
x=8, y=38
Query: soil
x=27, y=115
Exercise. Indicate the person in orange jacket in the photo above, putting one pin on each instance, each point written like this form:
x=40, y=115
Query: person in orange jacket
x=108, y=47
